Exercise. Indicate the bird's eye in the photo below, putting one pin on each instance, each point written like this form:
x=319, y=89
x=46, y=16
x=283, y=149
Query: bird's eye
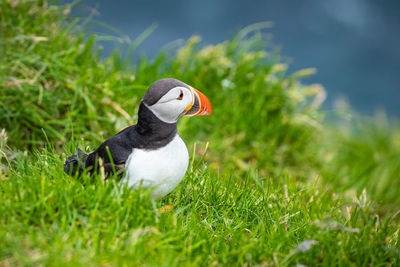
x=180, y=97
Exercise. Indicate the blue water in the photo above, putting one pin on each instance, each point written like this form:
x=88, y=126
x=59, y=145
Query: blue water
x=354, y=44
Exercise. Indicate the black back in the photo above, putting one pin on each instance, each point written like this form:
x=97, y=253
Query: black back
x=149, y=133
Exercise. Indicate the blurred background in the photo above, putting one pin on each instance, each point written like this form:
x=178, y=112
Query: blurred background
x=353, y=44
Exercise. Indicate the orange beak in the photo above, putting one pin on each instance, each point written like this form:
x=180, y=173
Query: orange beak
x=200, y=106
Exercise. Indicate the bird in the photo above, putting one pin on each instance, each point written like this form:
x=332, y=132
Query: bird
x=150, y=154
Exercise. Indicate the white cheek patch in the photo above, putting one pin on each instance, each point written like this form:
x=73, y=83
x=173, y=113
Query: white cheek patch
x=169, y=108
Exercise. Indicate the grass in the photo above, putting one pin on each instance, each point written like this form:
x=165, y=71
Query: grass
x=269, y=182
x=49, y=218
x=364, y=153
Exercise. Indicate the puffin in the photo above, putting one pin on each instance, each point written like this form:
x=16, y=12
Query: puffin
x=150, y=154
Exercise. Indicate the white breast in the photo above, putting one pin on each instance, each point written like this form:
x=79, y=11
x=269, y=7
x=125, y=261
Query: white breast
x=161, y=169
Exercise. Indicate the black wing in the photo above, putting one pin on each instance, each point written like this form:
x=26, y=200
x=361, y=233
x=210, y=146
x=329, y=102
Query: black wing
x=113, y=154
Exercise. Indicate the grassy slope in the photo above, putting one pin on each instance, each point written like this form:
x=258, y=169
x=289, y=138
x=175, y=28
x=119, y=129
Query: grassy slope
x=273, y=175
x=50, y=218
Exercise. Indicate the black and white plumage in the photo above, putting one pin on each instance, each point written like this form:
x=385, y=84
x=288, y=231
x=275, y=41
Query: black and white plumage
x=151, y=152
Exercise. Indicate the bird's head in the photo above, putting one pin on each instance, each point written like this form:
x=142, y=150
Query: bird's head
x=169, y=99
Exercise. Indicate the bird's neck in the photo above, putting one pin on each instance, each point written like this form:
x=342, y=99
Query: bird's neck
x=154, y=131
